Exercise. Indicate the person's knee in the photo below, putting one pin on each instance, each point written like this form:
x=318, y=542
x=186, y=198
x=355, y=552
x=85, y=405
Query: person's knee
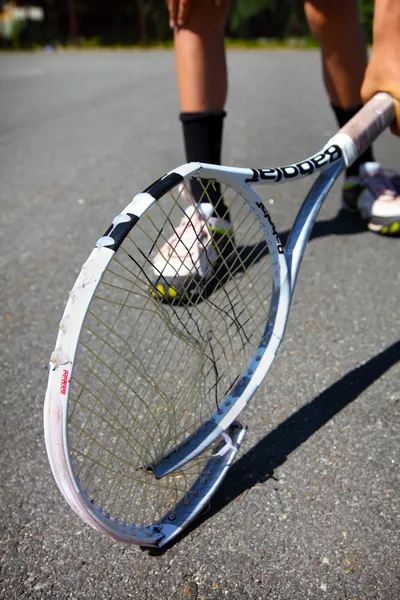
x=326, y=17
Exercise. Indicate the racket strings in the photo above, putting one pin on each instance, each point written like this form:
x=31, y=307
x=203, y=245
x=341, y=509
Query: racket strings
x=182, y=320
x=148, y=374
x=91, y=372
x=235, y=266
x=164, y=314
x=240, y=265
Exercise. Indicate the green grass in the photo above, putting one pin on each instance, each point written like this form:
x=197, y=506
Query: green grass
x=272, y=44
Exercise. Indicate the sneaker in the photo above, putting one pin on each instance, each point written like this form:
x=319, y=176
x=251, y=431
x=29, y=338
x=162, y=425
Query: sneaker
x=375, y=195
x=194, y=256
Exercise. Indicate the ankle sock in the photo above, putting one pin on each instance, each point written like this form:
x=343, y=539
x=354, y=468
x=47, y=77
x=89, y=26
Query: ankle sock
x=202, y=133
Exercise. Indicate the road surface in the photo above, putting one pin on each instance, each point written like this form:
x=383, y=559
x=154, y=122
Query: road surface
x=310, y=509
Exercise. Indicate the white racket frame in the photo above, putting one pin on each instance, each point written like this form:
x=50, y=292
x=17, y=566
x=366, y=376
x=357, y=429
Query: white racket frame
x=341, y=150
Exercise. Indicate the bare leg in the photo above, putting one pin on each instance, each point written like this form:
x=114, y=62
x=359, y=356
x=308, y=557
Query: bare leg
x=336, y=26
x=200, y=58
x=202, y=83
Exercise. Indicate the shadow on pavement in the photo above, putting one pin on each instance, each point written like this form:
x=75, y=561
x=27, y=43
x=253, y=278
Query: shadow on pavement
x=344, y=223
x=259, y=463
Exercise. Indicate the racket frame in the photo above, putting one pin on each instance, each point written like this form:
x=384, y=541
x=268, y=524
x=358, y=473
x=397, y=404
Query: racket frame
x=341, y=150
x=63, y=360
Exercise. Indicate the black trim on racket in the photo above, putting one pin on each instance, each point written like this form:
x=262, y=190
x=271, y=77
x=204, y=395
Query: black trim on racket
x=163, y=185
x=119, y=232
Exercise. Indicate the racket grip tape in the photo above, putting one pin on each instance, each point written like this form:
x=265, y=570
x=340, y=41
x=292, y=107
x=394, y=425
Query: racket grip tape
x=363, y=129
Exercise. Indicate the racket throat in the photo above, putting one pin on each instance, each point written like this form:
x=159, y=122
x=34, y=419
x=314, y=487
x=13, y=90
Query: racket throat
x=194, y=445
x=306, y=217
x=229, y=443
x=204, y=488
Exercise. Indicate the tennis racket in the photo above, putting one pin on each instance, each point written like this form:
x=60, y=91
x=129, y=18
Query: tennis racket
x=143, y=396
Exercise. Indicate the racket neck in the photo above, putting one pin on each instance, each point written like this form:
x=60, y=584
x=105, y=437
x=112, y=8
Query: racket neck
x=306, y=217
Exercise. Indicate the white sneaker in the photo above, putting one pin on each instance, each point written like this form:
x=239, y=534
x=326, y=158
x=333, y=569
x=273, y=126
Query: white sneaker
x=375, y=195
x=189, y=260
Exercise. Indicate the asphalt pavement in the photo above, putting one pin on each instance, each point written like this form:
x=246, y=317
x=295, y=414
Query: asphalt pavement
x=310, y=509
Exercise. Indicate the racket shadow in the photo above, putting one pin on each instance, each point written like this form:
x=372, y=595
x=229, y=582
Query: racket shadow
x=259, y=463
x=344, y=223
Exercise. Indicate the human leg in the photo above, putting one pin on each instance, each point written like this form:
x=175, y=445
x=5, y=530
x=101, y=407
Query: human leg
x=202, y=80
x=368, y=189
x=335, y=25
x=190, y=258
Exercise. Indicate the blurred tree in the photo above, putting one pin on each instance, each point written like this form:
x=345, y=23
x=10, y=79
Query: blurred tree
x=73, y=23
x=143, y=8
x=267, y=18
x=367, y=17
x=242, y=10
x=145, y=21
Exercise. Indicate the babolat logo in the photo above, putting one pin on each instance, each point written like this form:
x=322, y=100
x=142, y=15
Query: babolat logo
x=306, y=167
x=274, y=231
x=64, y=382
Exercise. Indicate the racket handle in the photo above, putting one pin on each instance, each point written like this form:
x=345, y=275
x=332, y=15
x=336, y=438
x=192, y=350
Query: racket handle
x=363, y=129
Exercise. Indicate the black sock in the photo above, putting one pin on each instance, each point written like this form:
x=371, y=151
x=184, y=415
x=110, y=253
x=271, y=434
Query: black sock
x=202, y=133
x=343, y=115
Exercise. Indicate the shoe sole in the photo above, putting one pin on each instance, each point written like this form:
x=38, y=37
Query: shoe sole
x=381, y=225
x=389, y=228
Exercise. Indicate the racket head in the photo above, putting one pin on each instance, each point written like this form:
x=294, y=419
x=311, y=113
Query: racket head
x=88, y=421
